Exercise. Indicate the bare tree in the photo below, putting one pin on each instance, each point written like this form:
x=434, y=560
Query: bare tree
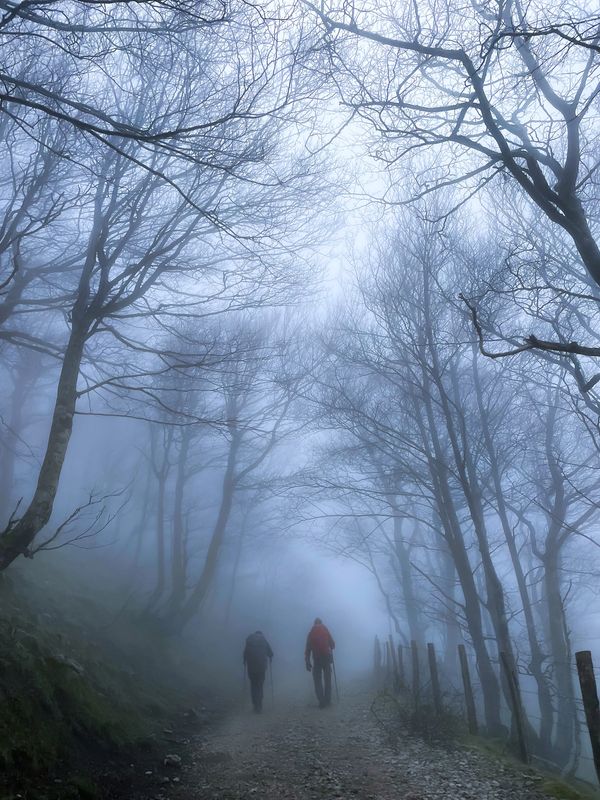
x=257, y=390
x=484, y=91
x=157, y=250
x=465, y=445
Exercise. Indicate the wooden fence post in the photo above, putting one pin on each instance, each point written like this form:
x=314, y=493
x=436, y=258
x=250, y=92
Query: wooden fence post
x=469, y=699
x=435, y=680
x=394, y=663
x=401, y=677
x=415, y=672
x=377, y=661
x=517, y=708
x=589, y=694
x=388, y=664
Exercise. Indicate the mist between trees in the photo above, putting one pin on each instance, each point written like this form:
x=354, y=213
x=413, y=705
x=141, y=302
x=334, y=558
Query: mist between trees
x=304, y=279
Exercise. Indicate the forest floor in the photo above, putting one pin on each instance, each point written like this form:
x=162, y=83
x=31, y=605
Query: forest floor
x=294, y=751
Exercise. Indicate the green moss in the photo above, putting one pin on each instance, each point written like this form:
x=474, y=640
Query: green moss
x=83, y=788
x=563, y=791
x=551, y=785
x=69, y=692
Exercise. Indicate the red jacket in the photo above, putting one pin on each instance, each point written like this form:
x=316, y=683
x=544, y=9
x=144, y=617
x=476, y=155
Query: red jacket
x=319, y=642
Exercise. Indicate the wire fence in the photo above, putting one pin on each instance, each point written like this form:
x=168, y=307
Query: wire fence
x=531, y=711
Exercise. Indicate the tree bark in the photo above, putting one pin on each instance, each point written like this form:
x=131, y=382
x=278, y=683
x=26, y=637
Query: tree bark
x=178, y=554
x=198, y=595
x=536, y=656
x=234, y=571
x=28, y=373
x=16, y=541
x=416, y=628
x=453, y=536
x=561, y=656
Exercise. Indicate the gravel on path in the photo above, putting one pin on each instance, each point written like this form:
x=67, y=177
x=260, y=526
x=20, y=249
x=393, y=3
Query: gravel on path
x=297, y=752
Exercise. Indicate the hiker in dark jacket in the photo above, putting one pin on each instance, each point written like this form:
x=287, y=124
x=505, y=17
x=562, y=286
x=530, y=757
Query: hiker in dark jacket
x=319, y=645
x=257, y=654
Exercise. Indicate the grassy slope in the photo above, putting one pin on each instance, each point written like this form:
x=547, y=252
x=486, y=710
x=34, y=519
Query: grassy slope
x=76, y=684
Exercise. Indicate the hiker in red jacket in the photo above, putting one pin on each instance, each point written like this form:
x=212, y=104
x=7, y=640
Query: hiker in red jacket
x=320, y=644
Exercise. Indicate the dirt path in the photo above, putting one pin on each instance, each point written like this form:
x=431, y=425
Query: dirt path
x=297, y=752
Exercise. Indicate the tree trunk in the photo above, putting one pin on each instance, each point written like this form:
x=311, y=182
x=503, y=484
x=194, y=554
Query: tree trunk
x=178, y=554
x=578, y=227
x=17, y=540
x=198, y=594
x=566, y=726
x=561, y=657
x=453, y=535
x=469, y=483
x=416, y=628
x=234, y=571
x=27, y=375
x=160, y=538
x=452, y=631
x=536, y=656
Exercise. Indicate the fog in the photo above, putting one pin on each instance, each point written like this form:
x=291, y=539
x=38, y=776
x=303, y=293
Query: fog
x=299, y=318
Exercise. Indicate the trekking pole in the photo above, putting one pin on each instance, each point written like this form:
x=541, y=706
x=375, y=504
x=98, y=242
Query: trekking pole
x=271, y=681
x=337, y=691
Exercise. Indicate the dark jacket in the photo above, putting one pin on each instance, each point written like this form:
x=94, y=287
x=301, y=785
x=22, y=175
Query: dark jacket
x=257, y=652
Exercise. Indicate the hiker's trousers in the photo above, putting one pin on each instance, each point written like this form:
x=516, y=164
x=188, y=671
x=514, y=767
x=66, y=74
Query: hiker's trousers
x=322, y=678
x=257, y=682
